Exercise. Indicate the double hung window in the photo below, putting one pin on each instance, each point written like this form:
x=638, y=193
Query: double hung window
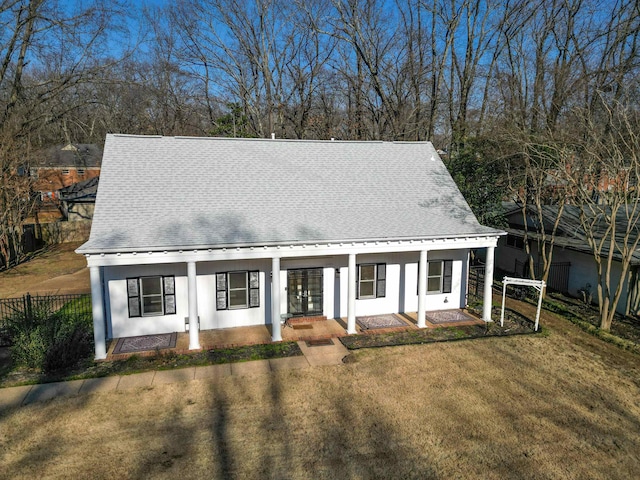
x=439, y=276
x=237, y=290
x=372, y=280
x=151, y=296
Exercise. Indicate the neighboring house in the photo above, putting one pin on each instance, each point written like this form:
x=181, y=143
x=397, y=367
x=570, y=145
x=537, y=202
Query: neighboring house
x=235, y=232
x=573, y=269
x=78, y=200
x=61, y=166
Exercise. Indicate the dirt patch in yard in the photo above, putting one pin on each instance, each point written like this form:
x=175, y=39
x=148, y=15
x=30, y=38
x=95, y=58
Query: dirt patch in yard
x=57, y=270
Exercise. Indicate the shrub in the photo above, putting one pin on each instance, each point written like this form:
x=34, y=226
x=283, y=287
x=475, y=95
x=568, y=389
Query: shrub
x=50, y=340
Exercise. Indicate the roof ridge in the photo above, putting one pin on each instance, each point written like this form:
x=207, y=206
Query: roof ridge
x=286, y=140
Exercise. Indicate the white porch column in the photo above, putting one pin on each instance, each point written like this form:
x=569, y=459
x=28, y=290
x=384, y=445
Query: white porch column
x=194, y=325
x=422, y=289
x=97, y=309
x=351, y=293
x=276, y=334
x=488, y=283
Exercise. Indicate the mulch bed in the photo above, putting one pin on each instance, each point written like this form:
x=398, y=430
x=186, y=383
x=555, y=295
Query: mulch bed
x=514, y=324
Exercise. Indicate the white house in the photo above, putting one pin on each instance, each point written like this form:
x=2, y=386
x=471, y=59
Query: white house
x=221, y=233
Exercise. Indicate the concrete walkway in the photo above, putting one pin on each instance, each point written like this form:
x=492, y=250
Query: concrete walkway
x=313, y=356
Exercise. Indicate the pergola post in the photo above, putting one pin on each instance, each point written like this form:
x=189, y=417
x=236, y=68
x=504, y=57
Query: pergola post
x=422, y=289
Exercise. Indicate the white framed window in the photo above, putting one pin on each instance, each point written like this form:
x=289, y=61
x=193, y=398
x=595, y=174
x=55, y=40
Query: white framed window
x=439, y=276
x=372, y=279
x=151, y=296
x=236, y=290
x=65, y=171
x=80, y=171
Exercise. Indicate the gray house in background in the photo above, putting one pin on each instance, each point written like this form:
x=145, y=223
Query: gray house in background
x=573, y=269
x=229, y=232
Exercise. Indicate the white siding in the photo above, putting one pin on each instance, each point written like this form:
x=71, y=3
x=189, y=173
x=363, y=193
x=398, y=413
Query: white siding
x=401, y=291
x=118, y=321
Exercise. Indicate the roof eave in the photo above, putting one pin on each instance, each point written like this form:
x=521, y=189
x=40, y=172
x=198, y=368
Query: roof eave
x=88, y=250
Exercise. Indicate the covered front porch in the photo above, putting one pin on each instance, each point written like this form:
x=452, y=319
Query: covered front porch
x=309, y=330
x=344, y=281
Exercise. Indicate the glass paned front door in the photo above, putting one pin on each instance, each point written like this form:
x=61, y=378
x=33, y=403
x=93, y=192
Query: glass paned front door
x=304, y=288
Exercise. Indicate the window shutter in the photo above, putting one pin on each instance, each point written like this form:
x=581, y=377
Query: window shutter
x=169, y=287
x=381, y=280
x=221, y=291
x=447, y=276
x=254, y=289
x=133, y=294
x=357, y=281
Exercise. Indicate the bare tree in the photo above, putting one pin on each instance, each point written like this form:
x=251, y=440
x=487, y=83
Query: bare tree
x=604, y=182
x=47, y=52
x=536, y=179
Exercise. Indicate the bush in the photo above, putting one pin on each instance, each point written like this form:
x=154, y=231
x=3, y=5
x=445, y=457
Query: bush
x=50, y=340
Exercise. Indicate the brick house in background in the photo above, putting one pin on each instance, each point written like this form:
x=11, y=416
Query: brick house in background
x=58, y=167
x=61, y=166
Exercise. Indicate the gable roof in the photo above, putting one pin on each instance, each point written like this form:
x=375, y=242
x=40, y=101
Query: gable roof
x=187, y=192
x=80, y=155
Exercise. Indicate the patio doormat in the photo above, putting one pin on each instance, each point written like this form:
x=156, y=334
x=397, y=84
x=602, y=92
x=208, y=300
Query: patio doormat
x=301, y=326
x=379, y=321
x=320, y=342
x=145, y=343
x=449, y=316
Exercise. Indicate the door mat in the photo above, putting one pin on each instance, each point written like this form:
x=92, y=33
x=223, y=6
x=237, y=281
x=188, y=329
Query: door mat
x=448, y=316
x=145, y=343
x=302, y=326
x=379, y=321
x=319, y=343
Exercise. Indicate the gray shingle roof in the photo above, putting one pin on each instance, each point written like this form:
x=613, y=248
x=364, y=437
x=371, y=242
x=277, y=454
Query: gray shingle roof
x=570, y=231
x=174, y=192
x=79, y=155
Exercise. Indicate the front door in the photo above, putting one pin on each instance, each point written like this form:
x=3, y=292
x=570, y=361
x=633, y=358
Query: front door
x=304, y=289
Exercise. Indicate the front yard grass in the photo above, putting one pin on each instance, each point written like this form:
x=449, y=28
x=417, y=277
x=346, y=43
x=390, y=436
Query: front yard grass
x=563, y=405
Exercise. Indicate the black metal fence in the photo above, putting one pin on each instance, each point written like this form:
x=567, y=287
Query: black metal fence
x=26, y=307
x=558, y=279
x=476, y=281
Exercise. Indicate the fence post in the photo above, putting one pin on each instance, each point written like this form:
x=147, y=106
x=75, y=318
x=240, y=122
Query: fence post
x=27, y=308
